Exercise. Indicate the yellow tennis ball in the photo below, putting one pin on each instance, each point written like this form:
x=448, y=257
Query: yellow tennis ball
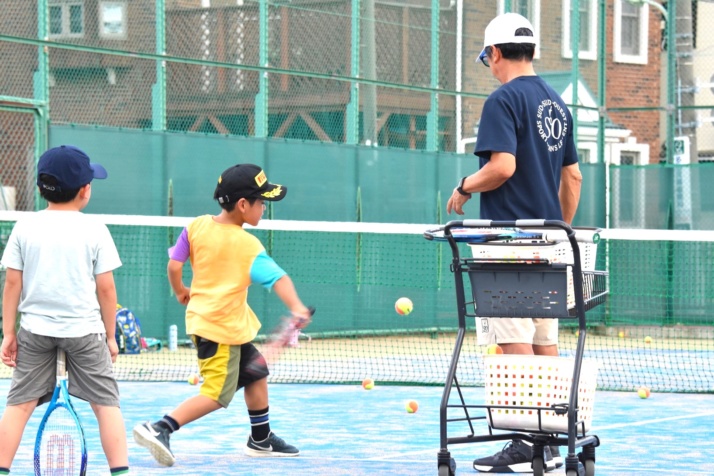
x=368, y=384
x=403, y=306
x=643, y=392
x=494, y=349
x=621, y=334
x=193, y=379
x=411, y=406
x=648, y=340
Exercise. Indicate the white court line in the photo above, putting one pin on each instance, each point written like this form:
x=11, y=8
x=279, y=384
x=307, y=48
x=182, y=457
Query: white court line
x=387, y=458
x=648, y=422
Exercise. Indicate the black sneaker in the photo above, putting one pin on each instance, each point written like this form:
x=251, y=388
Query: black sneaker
x=515, y=457
x=271, y=447
x=156, y=440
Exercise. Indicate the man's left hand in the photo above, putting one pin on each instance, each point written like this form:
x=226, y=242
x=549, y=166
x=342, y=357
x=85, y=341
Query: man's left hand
x=456, y=202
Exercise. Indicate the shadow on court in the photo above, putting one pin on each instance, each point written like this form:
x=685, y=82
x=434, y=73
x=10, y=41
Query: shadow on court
x=345, y=430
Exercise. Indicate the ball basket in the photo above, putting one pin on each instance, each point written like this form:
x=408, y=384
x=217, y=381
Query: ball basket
x=520, y=390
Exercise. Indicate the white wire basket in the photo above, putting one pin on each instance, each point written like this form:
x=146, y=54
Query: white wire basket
x=520, y=390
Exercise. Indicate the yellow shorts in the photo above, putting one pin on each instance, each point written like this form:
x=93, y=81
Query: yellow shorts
x=226, y=368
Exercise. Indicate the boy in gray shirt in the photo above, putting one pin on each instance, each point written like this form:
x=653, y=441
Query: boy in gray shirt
x=60, y=279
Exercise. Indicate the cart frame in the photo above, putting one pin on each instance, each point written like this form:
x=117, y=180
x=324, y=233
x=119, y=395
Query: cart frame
x=576, y=437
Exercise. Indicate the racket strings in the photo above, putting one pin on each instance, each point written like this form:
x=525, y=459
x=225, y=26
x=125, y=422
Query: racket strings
x=60, y=454
x=61, y=446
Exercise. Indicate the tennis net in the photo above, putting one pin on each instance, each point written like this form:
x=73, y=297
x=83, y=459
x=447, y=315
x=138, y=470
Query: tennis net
x=656, y=328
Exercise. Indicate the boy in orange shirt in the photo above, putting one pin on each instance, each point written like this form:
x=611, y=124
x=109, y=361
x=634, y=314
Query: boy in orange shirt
x=226, y=260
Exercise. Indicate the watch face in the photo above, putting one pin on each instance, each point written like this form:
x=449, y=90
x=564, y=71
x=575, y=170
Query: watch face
x=460, y=188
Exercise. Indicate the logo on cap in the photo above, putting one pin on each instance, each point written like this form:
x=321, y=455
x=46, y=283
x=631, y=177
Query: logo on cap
x=260, y=179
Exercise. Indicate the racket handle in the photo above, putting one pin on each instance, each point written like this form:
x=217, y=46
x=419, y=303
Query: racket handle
x=301, y=321
x=558, y=236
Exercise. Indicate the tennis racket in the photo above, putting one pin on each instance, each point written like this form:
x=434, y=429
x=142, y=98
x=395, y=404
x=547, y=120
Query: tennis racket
x=60, y=448
x=482, y=235
x=485, y=235
x=286, y=334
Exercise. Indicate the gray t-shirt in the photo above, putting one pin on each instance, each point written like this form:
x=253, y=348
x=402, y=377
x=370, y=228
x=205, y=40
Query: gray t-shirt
x=59, y=253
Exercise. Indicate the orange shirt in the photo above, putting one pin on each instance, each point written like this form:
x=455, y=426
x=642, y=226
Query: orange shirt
x=221, y=260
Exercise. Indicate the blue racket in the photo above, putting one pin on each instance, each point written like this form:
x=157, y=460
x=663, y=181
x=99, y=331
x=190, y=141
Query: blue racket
x=60, y=448
x=483, y=235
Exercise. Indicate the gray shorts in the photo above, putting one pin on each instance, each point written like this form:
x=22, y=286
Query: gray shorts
x=89, y=369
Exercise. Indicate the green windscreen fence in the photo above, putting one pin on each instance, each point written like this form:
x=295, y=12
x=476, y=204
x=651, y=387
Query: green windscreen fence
x=155, y=173
x=661, y=286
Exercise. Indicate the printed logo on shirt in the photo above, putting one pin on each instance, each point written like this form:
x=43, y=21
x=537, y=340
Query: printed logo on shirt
x=552, y=124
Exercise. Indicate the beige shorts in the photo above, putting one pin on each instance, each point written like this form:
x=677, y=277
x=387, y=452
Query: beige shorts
x=507, y=330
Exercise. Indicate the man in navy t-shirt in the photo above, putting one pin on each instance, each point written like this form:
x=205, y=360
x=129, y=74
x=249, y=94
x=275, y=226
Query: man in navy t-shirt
x=528, y=169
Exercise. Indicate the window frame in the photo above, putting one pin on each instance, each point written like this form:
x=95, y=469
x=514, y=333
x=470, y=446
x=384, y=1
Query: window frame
x=122, y=4
x=618, y=55
x=637, y=189
x=591, y=53
x=592, y=150
x=65, y=7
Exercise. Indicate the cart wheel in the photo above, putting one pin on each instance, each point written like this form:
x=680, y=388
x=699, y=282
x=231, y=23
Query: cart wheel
x=538, y=469
x=448, y=470
x=589, y=467
x=577, y=472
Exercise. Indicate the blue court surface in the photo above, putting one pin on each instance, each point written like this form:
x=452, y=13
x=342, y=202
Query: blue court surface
x=345, y=430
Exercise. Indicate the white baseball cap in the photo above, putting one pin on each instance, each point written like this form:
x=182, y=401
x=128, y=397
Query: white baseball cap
x=502, y=29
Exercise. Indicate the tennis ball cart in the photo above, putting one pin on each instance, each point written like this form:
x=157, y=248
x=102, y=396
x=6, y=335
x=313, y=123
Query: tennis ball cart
x=524, y=269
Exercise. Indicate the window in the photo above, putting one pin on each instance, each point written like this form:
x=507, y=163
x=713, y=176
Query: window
x=631, y=25
x=66, y=18
x=588, y=29
x=628, y=184
x=529, y=9
x=112, y=20
x=587, y=152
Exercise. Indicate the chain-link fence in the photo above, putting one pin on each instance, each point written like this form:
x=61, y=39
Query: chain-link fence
x=375, y=73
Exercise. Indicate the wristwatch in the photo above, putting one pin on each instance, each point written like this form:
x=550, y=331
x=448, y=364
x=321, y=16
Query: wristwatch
x=460, y=188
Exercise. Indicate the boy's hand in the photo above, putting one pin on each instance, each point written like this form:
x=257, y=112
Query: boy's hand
x=8, y=350
x=113, y=349
x=302, y=316
x=183, y=296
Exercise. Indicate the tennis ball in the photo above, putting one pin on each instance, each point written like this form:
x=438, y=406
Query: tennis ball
x=193, y=379
x=648, y=340
x=643, y=392
x=368, y=384
x=403, y=306
x=412, y=406
x=494, y=349
x=621, y=334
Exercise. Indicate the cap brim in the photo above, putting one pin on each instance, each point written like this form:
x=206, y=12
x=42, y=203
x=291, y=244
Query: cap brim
x=99, y=171
x=273, y=192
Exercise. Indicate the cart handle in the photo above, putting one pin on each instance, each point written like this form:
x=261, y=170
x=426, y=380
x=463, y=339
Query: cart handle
x=555, y=236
